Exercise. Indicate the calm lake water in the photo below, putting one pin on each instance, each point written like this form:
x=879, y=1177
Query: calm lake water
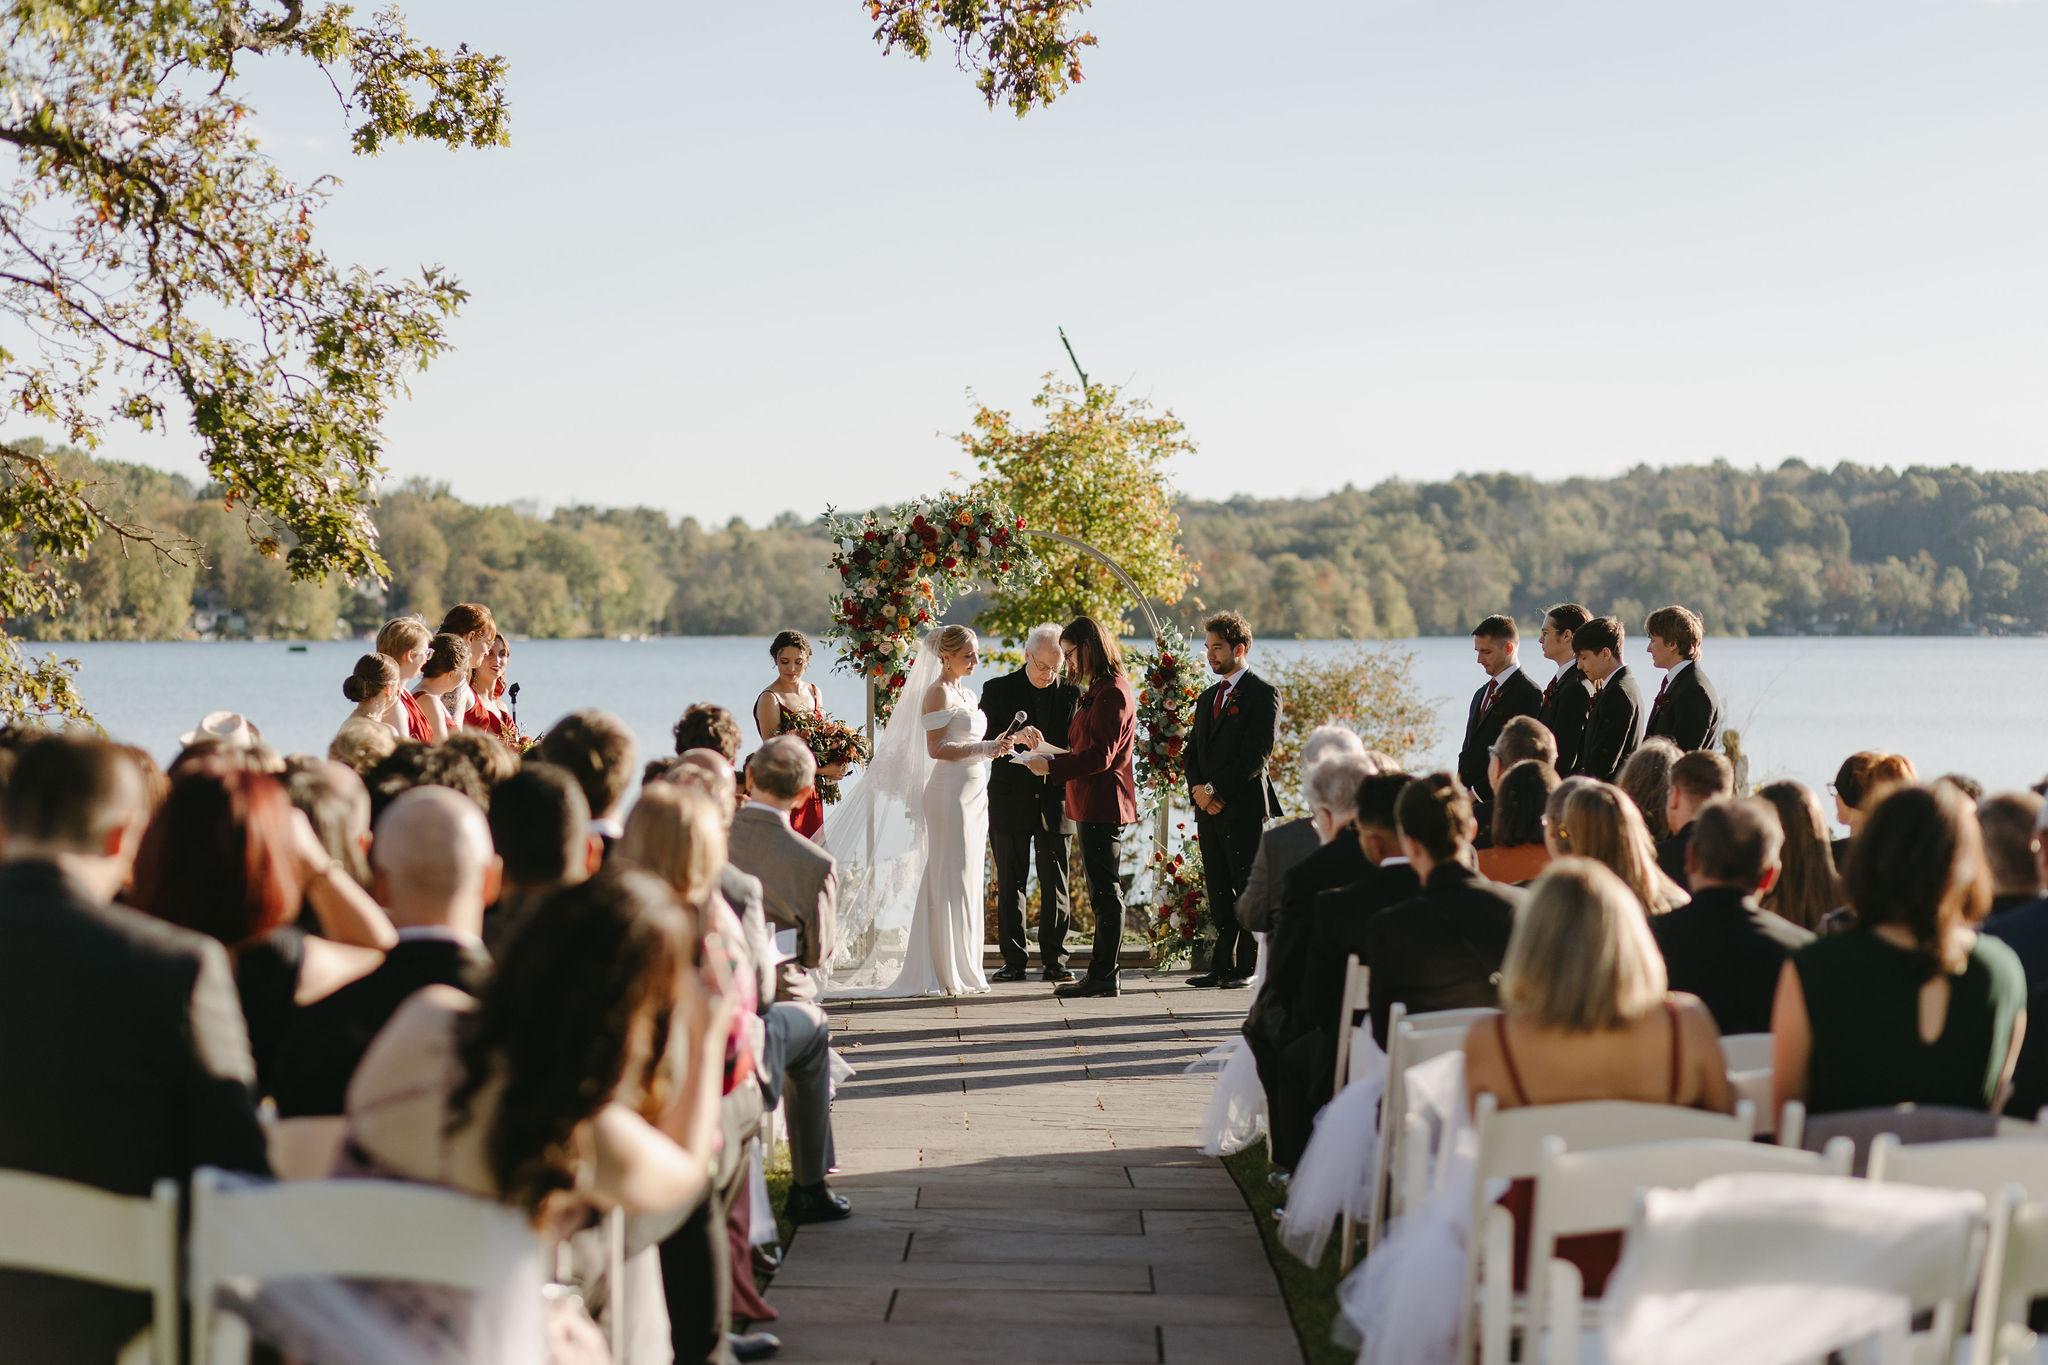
x=1950, y=704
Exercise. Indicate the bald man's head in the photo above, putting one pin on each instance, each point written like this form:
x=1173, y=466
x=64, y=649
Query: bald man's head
x=433, y=860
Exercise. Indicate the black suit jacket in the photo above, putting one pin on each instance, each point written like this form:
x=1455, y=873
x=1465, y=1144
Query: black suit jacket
x=2024, y=929
x=1689, y=714
x=1276, y=1014
x=1229, y=752
x=325, y=1040
x=1671, y=851
x=1018, y=801
x=1728, y=951
x=1340, y=919
x=1442, y=949
x=1518, y=696
x=125, y=1061
x=1614, y=727
x=1566, y=699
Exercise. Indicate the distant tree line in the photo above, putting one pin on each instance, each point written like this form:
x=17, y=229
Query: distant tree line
x=1794, y=549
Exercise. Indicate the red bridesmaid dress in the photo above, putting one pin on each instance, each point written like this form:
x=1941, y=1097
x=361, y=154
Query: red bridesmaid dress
x=808, y=818
x=416, y=726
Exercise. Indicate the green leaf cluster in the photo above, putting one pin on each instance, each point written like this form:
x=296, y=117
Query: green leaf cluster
x=1023, y=53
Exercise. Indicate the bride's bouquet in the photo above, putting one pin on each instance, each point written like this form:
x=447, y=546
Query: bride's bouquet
x=832, y=741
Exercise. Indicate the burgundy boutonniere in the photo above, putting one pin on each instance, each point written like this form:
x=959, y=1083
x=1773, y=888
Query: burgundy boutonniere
x=1230, y=710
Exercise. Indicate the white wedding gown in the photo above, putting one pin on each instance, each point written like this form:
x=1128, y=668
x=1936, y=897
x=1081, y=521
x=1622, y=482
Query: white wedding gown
x=943, y=956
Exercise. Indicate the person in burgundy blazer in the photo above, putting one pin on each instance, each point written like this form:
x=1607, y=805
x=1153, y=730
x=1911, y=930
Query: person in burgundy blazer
x=1102, y=786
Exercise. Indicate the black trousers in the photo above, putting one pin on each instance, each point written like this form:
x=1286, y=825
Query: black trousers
x=1014, y=851
x=1229, y=842
x=1102, y=856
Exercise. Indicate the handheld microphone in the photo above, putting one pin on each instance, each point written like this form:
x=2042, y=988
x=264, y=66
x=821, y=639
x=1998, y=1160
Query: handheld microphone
x=512, y=696
x=1018, y=722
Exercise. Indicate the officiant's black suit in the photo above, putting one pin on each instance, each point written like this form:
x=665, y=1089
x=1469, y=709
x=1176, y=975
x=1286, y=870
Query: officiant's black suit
x=1027, y=820
x=1227, y=750
x=1687, y=711
x=1614, y=726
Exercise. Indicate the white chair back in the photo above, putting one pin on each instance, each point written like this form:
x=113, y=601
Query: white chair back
x=1986, y=1165
x=1596, y=1191
x=79, y=1232
x=1356, y=997
x=245, y=1232
x=1511, y=1145
x=1747, y=1051
x=1754, y=1087
x=2015, y=1274
x=1411, y=1041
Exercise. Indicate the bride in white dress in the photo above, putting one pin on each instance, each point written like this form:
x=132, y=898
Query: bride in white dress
x=911, y=840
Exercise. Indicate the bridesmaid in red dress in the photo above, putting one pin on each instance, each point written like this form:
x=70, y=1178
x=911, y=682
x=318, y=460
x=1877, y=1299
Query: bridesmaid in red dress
x=405, y=642
x=487, y=708
x=789, y=695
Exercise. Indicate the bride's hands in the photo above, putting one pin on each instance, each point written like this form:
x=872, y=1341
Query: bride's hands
x=1029, y=737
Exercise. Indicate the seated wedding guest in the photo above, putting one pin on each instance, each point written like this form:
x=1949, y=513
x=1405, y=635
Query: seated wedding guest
x=596, y=749
x=1568, y=694
x=1646, y=778
x=480, y=1095
x=1862, y=780
x=1296, y=1053
x=1521, y=740
x=362, y=745
x=1808, y=887
x=1598, y=821
x=404, y=640
x=540, y=826
x=1969, y=786
x=1283, y=845
x=127, y=1059
x=446, y=667
x=1343, y=916
x=337, y=804
x=707, y=725
x=156, y=783
x=1696, y=778
x=779, y=707
x=488, y=709
x=1520, y=796
x=472, y=621
x=1614, y=718
x=1721, y=945
x=1442, y=949
x=423, y=765
x=1587, y=1014
x=1912, y=1006
x=799, y=880
x=373, y=687
x=493, y=760
x=1686, y=709
x=435, y=872
x=2008, y=821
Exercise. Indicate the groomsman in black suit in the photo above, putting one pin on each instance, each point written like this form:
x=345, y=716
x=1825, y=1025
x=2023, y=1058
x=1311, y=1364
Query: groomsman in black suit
x=1225, y=762
x=1614, y=722
x=1027, y=814
x=1566, y=696
x=1506, y=693
x=1687, y=710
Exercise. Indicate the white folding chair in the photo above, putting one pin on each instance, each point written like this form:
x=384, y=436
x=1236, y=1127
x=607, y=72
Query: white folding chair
x=1356, y=997
x=60, y=1227
x=1746, y=1051
x=2015, y=1274
x=1596, y=1191
x=1754, y=1087
x=1411, y=1041
x=1509, y=1145
x=244, y=1233
x=1986, y=1165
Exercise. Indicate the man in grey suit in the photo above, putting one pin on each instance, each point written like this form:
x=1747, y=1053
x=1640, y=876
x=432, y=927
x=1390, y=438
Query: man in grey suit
x=799, y=883
x=127, y=1059
x=1284, y=845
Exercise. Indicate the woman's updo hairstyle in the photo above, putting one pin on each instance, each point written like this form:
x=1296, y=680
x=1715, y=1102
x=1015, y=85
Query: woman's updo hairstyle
x=950, y=640
x=446, y=654
x=373, y=674
x=789, y=639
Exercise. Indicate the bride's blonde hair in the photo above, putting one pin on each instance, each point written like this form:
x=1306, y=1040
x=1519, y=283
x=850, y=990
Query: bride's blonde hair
x=950, y=640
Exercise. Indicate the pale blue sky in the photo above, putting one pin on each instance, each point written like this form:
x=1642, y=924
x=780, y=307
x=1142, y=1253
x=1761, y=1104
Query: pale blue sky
x=736, y=261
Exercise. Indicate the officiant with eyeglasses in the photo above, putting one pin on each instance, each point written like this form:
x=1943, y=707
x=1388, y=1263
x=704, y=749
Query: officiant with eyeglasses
x=1027, y=821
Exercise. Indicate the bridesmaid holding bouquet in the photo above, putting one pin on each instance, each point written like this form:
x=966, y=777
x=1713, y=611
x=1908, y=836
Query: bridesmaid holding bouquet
x=789, y=703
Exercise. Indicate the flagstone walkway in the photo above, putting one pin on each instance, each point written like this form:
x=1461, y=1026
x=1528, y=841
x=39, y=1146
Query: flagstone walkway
x=1025, y=1189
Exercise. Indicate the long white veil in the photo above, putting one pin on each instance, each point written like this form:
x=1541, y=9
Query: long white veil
x=877, y=834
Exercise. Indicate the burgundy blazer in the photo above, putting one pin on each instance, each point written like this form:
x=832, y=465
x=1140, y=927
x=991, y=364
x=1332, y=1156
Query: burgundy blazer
x=1102, y=788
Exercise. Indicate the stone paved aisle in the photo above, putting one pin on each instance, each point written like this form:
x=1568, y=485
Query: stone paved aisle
x=1025, y=1189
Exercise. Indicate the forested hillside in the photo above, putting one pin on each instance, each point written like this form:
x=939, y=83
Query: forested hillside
x=1791, y=549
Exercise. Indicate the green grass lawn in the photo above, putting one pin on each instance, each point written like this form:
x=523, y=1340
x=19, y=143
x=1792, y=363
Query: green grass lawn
x=1311, y=1292
x=777, y=1169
